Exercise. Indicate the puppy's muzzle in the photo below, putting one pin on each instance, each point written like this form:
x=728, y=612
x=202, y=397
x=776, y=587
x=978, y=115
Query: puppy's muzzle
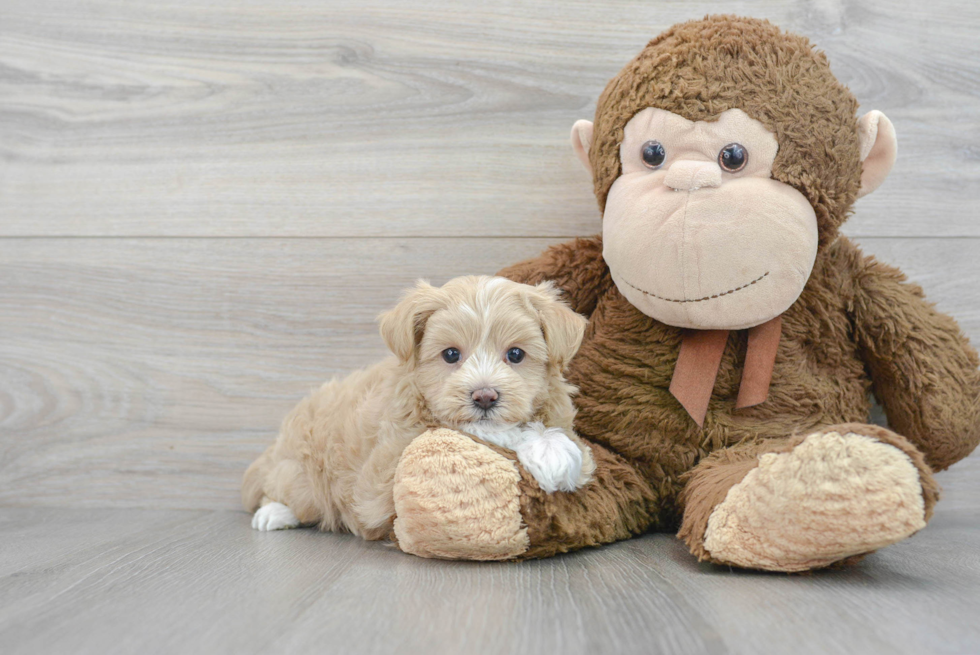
x=485, y=398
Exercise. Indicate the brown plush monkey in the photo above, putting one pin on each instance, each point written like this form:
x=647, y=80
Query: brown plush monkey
x=734, y=335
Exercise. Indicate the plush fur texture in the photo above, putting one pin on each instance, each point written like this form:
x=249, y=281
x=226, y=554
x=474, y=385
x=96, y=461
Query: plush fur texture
x=856, y=316
x=858, y=327
x=457, y=499
x=701, y=68
x=832, y=496
x=333, y=463
x=732, y=250
x=710, y=483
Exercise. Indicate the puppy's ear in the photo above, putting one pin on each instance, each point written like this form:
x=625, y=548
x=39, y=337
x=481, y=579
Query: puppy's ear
x=403, y=326
x=563, y=329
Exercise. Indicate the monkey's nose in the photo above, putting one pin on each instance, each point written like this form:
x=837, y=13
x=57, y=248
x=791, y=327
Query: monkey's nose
x=485, y=398
x=687, y=175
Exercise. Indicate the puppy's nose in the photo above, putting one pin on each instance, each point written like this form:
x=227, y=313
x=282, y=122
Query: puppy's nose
x=485, y=398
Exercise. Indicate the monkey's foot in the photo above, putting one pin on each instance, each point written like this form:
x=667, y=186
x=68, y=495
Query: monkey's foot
x=835, y=494
x=457, y=499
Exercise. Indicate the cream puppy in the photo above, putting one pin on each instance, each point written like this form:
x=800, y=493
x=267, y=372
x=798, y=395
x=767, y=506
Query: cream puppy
x=482, y=355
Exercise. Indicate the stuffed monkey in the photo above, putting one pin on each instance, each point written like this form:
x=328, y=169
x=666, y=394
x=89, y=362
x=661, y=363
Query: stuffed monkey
x=734, y=335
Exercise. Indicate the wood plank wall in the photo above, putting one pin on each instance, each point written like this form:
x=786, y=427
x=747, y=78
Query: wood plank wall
x=204, y=205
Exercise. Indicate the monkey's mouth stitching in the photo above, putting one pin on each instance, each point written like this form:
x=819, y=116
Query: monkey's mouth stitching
x=717, y=295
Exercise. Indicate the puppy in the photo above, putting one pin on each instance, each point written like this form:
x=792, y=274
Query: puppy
x=482, y=355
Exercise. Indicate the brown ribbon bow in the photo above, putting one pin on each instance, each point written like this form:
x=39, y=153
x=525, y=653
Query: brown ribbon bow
x=699, y=359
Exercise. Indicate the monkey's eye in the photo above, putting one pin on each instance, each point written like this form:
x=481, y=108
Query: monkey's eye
x=450, y=355
x=733, y=157
x=653, y=154
x=515, y=355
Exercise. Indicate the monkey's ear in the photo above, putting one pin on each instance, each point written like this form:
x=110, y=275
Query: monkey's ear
x=879, y=148
x=563, y=329
x=403, y=326
x=582, y=142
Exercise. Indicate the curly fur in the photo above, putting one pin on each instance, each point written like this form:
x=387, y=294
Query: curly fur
x=334, y=461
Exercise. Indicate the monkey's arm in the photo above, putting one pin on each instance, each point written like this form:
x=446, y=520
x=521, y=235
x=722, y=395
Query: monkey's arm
x=923, y=369
x=576, y=267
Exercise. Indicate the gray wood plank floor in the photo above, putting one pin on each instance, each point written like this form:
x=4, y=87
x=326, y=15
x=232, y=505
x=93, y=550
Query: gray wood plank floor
x=203, y=206
x=194, y=581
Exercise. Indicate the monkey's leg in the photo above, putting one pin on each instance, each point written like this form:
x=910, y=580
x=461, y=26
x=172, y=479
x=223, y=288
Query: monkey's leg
x=459, y=498
x=807, y=501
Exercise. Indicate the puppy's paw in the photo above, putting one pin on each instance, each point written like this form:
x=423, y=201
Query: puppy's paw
x=274, y=516
x=552, y=458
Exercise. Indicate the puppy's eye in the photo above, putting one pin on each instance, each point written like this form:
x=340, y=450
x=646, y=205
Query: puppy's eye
x=653, y=154
x=515, y=355
x=450, y=355
x=733, y=157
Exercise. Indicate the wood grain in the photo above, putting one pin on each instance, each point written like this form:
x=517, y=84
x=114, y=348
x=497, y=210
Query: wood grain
x=142, y=581
x=150, y=372
x=350, y=118
x=203, y=206
x=155, y=368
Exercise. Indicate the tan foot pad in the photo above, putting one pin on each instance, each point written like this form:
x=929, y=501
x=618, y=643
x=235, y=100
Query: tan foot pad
x=457, y=499
x=831, y=497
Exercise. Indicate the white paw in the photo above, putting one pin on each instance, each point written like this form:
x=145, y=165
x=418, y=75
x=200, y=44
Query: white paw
x=552, y=458
x=274, y=516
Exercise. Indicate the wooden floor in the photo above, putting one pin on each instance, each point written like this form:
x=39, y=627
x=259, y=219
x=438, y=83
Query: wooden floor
x=203, y=206
x=194, y=581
